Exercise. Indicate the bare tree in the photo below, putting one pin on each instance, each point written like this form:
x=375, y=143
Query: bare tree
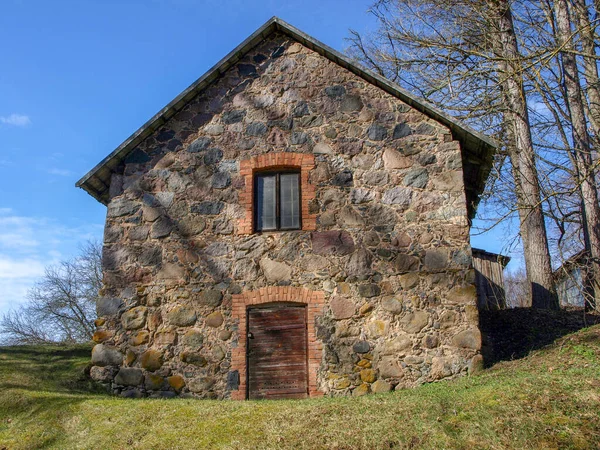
x=516, y=289
x=61, y=307
x=582, y=143
x=586, y=31
x=523, y=158
x=564, y=78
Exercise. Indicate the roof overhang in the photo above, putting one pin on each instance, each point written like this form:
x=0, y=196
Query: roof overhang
x=483, y=254
x=478, y=149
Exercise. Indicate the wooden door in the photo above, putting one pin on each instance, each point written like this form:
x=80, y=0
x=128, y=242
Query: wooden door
x=277, y=352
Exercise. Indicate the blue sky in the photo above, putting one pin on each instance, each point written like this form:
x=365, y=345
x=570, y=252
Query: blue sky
x=78, y=77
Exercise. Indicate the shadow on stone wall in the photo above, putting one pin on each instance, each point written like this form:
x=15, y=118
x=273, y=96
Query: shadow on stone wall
x=513, y=333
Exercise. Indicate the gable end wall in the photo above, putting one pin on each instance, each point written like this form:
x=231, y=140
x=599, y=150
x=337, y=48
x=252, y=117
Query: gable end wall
x=385, y=250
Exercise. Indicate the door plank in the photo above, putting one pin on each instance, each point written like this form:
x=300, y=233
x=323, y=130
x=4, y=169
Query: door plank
x=277, y=350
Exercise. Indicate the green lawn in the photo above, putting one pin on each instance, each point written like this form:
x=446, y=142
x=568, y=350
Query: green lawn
x=550, y=399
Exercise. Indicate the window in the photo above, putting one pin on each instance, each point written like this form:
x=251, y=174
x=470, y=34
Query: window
x=298, y=165
x=277, y=201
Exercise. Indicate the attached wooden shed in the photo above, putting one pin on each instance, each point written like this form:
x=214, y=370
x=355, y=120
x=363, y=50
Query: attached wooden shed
x=489, y=279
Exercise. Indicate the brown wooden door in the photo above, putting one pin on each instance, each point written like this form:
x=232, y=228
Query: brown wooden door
x=277, y=363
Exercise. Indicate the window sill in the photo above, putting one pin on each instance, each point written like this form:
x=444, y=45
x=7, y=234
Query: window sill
x=269, y=232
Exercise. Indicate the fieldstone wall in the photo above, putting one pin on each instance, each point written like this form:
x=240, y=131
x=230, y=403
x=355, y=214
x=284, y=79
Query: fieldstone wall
x=389, y=254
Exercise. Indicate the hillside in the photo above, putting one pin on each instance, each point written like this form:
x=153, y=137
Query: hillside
x=549, y=399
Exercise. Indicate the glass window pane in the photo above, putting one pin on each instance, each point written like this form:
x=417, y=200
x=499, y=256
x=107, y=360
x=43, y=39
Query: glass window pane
x=266, y=201
x=289, y=196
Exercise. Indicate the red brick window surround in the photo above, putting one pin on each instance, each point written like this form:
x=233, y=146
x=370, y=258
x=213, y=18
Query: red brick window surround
x=314, y=301
x=276, y=161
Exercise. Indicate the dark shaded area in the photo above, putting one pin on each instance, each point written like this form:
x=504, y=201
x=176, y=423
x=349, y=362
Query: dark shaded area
x=57, y=368
x=513, y=333
x=490, y=294
x=46, y=352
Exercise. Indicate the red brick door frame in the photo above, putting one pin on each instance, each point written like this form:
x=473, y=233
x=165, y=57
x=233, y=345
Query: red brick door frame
x=314, y=301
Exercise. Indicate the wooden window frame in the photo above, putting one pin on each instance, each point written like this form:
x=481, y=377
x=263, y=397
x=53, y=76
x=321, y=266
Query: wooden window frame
x=277, y=173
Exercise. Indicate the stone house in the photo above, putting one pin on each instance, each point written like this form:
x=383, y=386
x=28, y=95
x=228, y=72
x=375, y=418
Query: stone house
x=290, y=225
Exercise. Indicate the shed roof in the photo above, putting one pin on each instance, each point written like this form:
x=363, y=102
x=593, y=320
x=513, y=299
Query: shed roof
x=478, y=149
x=484, y=254
x=575, y=261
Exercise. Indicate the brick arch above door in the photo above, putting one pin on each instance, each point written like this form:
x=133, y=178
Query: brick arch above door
x=314, y=301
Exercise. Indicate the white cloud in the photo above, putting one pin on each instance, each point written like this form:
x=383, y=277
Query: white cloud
x=17, y=276
x=17, y=240
x=17, y=120
x=18, y=233
x=14, y=268
x=28, y=245
x=60, y=172
x=14, y=292
x=55, y=254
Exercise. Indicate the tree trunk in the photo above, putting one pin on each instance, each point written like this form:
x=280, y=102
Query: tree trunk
x=590, y=68
x=582, y=145
x=533, y=227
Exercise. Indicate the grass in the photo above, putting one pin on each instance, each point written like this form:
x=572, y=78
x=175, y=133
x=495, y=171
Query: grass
x=549, y=399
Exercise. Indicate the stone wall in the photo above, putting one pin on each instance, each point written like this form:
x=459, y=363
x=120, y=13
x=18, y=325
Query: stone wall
x=388, y=252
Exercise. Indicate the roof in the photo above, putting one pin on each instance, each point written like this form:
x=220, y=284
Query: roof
x=483, y=254
x=478, y=149
x=575, y=261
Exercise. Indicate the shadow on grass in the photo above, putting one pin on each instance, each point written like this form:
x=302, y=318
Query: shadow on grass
x=45, y=351
x=47, y=368
x=513, y=333
x=41, y=415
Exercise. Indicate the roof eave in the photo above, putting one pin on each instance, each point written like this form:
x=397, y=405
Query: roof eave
x=502, y=259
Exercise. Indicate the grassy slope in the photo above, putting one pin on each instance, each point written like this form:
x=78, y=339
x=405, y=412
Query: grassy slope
x=551, y=399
